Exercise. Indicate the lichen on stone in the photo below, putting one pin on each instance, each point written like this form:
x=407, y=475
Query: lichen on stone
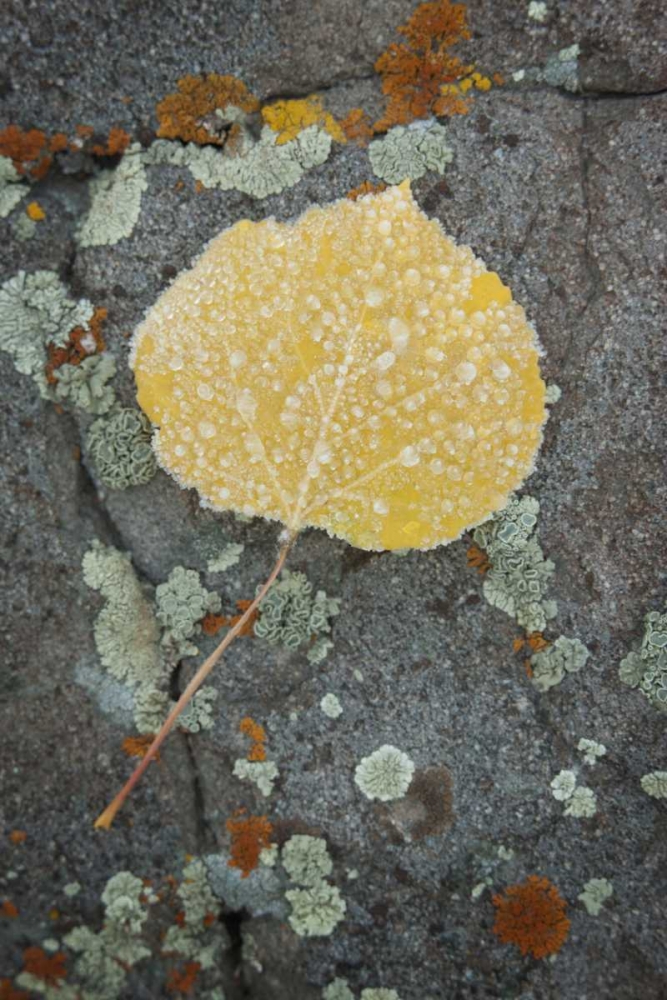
x=409, y=151
x=647, y=668
x=338, y=989
x=331, y=706
x=316, y=910
x=565, y=656
x=127, y=635
x=385, y=774
x=228, y=556
x=261, y=773
x=11, y=187
x=655, y=784
x=115, y=202
x=36, y=311
x=86, y=385
x=119, y=447
x=255, y=166
x=132, y=646
x=591, y=750
x=306, y=859
x=198, y=714
x=105, y=958
x=519, y=574
x=563, y=785
x=595, y=893
x=291, y=616
x=582, y=804
x=182, y=602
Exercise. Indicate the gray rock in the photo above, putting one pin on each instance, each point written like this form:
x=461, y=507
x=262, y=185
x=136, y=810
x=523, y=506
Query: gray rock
x=563, y=195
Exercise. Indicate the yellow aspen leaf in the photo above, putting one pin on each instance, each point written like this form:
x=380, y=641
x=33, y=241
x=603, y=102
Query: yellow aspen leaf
x=355, y=370
x=289, y=118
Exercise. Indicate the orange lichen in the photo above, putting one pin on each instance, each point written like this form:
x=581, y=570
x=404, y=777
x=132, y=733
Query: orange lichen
x=183, y=981
x=366, y=187
x=413, y=74
x=289, y=118
x=18, y=836
x=250, y=836
x=531, y=915
x=117, y=143
x=9, y=909
x=182, y=114
x=534, y=640
x=27, y=150
x=83, y=341
x=357, y=126
x=211, y=624
x=257, y=734
x=7, y=991
x=478, y=559
x=137, y=746
x=49, y=968
x=35, y=211
x=54, y=913
x=59, y=142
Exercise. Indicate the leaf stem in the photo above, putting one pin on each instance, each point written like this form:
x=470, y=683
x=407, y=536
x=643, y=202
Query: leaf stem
x=106, y=818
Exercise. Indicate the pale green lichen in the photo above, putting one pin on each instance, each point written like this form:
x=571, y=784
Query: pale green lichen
x=199, y=713
x=72, y=889
x=337, y=990
x=306, y=859
x=104, y=959
x=519, y=577
x=591, y=750
x=379, y=994
x=552, y=394
x=655, y=784
x=262, y=773
x=256, y=166
x=565, y=656
x=182, y=602
x=647, y=668
x=407, y=152
x=130, y=643
x=582, y=804
x=115, y=202
x=595, y=894
x=563, y=785
x=228, y=556
x=24, y=228
x=194, y=939
x=561, y=70
x=331, y=706
x=12, y=188
x=126, y=631
x=537, y=11
x=35, y=311
x=316, y=910
x=385, y=774
x=86, y=385
x=120, y=449
x=291, y=615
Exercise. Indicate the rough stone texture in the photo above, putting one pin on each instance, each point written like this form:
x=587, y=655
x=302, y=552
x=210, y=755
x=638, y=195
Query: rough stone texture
x=564, y=196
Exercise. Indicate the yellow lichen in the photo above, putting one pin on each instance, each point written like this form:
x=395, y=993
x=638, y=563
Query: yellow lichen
x=289, y=118
x=35, y=211
x=356, y=371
